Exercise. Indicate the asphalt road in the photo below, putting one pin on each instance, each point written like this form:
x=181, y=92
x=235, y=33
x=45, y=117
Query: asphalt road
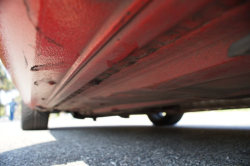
x=124, y=145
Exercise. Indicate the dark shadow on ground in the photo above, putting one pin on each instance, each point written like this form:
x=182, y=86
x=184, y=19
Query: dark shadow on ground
x=137, y=146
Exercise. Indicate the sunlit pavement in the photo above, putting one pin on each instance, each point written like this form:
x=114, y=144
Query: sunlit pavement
x=210, y=138
x=228, y=119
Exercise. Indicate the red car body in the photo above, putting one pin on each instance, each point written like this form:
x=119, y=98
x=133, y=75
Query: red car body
x=110, y=57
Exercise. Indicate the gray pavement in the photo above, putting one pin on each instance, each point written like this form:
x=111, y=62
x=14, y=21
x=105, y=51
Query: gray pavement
x=124, y=145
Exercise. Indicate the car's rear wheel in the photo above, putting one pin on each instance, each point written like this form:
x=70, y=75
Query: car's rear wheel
x=33, y=119
x=162, y=118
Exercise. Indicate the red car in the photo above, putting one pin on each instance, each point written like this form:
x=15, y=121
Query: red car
x=99, y=58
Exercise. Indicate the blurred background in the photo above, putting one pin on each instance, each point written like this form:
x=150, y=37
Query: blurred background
x=232, y=117
x=7, y=93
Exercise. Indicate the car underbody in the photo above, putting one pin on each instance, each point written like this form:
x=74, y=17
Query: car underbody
x=103, y=58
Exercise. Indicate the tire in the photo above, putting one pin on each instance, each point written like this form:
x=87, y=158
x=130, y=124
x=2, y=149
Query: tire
x=159, y=119
x=34, y=120
x=77, y=115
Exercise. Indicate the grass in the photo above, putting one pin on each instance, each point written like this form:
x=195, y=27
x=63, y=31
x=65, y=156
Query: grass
x=2, y=111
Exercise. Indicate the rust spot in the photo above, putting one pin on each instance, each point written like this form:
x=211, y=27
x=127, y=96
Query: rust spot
x=43, y=98
x=102, y=104
x=130, y=49
x=28, y=10
x=46, y=37
x=111, y=63
x=31, y=46
x=95, y=82
x=36, y=83
x=40, y=107
x=37, y=28
x=34, y=68
x=52, y=82
x=61, y=65
x=25, y=59
x=114, y=109
x=52, y=41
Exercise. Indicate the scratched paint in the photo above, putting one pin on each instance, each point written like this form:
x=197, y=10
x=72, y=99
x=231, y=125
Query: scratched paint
x=149, y=21
x=115, y=55
x=58, y=33
x=178, y=64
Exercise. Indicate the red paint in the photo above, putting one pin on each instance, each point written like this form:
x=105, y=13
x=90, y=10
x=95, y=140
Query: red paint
x=148, y=24
x=52, y=35
x=179, y=64
x=123, y=54
x=52, y=82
